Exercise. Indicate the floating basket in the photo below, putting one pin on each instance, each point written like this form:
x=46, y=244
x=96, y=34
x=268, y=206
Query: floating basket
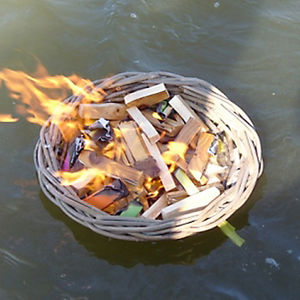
x=218, y=113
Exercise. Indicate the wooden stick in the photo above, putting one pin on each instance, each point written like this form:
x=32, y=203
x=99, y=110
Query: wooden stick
x=148, y=96
x=109, y=111
x=164, y=175
x=134, y=141
x=144, y=124
x=135, y=192
x=190, y=204
x=213, y=179
x=124, y=159
x=189, y=130
x=111, y=168
x=201, y=155
x=144, y=202
x=119, y=150
x=176, y=196
x=162, y=147
x=186, y=182
x=127, y=155
x=155, y=209
x=174, y=125
x=171, y=127
x=213, y=169
x=185, y=136
x=185, y=111
x=178, y=119
x=182, y=108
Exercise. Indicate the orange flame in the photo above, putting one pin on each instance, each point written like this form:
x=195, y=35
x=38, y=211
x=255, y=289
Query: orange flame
x=41, y=95
x=88, y=178
x=175, y=150
x=153, y=186
x=7, y=118
x=109, y=150
x=117, y=133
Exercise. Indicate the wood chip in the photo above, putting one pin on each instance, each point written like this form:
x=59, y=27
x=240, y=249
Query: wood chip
x=109, y=111
x=189, y=130
x=134, y=141
x=176, y=196
x=144, y=124
x=201, y=155
x=171, y=127
x=186, y=182
x=190, y=204
x=155, y=209
x=212, y=169
x=148, y=96
x=164, y=175
x=182, y=108
x=127, y=157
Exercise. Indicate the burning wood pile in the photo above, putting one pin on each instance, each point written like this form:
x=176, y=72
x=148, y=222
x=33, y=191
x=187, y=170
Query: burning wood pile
x=151, y=156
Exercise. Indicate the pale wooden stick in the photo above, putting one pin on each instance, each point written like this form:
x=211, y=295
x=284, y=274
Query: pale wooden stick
x=190, y=204
x=148, y=96
x=200, y=157
x=134, y=141
x=164, y=175
x=182, y=108
x=144, y=124
x=155, y=209
x=109, y=111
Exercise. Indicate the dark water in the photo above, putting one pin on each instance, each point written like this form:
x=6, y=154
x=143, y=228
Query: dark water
x=251, y=51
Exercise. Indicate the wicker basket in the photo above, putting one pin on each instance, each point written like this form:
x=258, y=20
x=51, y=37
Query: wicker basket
x=219, y=114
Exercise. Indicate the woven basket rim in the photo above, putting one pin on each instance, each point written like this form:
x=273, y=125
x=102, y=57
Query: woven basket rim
x=218, y=112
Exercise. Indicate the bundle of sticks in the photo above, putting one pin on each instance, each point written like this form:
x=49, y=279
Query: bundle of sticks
x=151, y=156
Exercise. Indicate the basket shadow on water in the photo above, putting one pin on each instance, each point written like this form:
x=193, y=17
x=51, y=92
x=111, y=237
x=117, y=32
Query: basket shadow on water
x=219, y=114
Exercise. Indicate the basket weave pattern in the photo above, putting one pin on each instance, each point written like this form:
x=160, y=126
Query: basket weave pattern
x=219, y=114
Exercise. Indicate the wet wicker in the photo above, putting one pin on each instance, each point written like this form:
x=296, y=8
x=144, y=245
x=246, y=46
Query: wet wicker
x=218, y=112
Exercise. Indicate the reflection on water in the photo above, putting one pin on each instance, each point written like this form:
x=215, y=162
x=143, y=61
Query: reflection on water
x=185, y=251
x=248, y=49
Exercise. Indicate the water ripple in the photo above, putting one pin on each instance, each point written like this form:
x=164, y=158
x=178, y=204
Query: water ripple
x=13, y=259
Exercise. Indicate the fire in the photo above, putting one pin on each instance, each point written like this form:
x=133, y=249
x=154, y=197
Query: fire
x=157, y=116
x=7, y=118
x=176, y=150
x=88, y=178
x=89, y=144
x=41, y=95
x=109, y=150
x=117, y=133
x=153, y=186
